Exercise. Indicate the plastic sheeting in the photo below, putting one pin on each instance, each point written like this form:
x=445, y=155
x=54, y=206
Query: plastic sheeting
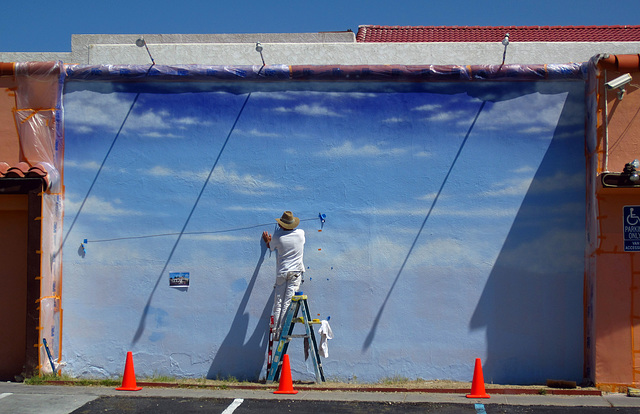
x=138, y=73
x=38, y=118
x=402, y=73
x=592, y=222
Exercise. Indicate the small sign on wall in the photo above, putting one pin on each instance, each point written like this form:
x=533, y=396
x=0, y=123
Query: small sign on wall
x=179, y=279
x=631, y=225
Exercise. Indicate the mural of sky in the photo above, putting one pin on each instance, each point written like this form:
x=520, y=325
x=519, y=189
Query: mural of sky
x=454, y=226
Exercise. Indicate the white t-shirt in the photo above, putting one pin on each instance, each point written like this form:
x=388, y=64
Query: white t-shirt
x=289, y=246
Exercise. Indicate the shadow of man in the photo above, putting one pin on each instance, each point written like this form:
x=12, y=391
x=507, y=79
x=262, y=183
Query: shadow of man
x=235, y=357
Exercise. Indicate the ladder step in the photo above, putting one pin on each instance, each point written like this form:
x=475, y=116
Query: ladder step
x=300, y=319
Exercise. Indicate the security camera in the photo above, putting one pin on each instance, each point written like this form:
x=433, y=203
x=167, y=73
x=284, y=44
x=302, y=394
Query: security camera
x=619, y=82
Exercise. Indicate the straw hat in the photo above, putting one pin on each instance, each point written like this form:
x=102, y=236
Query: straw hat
x=288, y=221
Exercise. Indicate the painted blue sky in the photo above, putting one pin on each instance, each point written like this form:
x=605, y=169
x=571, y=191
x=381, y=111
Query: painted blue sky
x=47, y=27
x=374, y=158
x=333, y=152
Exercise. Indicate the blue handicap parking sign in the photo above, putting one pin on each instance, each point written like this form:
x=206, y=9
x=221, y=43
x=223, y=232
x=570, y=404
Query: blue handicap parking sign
x=631, y=225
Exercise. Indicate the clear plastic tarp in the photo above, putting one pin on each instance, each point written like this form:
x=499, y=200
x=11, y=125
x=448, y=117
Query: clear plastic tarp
x=38, y=117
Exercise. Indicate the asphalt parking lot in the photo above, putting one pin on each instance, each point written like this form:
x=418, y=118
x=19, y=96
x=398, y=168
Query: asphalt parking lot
x=17, y=398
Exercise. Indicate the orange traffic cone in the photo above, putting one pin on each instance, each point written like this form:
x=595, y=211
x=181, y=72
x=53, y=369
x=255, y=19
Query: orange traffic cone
x=286, y=385
x=477, y=386
x=129, y=379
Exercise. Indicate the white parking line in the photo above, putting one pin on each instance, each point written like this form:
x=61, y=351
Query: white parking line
x=232, y=407
x=5, y=394
x=480, y=409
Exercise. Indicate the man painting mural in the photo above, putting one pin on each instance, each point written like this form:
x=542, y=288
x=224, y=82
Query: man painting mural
x=288, y=241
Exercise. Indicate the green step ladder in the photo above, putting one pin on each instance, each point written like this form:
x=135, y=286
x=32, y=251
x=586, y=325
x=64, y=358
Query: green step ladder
x=299, y=300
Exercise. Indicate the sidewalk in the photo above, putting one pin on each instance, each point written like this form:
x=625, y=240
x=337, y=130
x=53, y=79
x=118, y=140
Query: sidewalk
x=76, y=396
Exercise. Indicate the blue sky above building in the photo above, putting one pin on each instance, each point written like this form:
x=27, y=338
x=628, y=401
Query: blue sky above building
x=47, y=27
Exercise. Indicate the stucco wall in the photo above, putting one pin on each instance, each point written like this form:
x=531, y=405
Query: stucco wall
x=356, y=53
x=454, y=226
x=615, y=304
x=312, y=49
x=10, y=148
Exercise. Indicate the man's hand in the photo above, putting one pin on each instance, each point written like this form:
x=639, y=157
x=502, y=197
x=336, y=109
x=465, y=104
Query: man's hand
x=266, y=237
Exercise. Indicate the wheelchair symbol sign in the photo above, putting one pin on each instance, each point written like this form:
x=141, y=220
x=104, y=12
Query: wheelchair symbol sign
x=631, y=217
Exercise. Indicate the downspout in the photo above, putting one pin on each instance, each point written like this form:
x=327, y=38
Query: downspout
x=7, y=69
x=605, y=161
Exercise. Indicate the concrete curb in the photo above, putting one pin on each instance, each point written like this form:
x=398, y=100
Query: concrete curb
x=497, y=391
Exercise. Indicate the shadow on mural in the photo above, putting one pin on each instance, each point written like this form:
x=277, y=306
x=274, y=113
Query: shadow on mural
x=241, y=356
x=544, y=249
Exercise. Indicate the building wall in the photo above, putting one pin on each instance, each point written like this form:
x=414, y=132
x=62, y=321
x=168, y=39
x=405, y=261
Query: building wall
x=356, y=53
x=10, y=148
x=312, y=49
x=614, y=282
x=454, y=225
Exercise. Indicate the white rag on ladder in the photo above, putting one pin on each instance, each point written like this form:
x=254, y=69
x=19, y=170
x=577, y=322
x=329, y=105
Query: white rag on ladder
x=325, y=334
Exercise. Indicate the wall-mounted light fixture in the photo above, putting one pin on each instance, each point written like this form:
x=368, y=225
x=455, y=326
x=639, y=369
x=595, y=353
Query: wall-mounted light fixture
x=619, y=83
x=141, y=42
x=629, y=177
x=630, y=169
x=259, y=50
x=505, y=42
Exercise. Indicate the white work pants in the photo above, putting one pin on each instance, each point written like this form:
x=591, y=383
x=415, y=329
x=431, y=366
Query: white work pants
x=286, y=286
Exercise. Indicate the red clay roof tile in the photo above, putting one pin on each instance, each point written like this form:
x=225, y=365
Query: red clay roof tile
x=24, y=170
x=18, y=171
x=373, y=33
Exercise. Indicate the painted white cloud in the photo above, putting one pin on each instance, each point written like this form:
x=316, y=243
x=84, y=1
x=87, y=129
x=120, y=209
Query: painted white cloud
x=160, y=171
x=550, y=252
x=427, y=253
x=394, y=120
x=251, y=209
x=529, y=114
x=512, y=187
x=429, y=197
x=428, y=108
x=275, y=96
x=447, y=116
x=533, y=113
x=423, y=154
x=241, y=183
x=86, y=165
x=157, y=134
x=85, y=111
x=96, y=206
x=524, y=169
x=188, y=121
x=561, y=181
x=255, y=132
x=237, y=182
x=309, y=110
x=439, y=211
x=348, y=149
x=221, y=238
